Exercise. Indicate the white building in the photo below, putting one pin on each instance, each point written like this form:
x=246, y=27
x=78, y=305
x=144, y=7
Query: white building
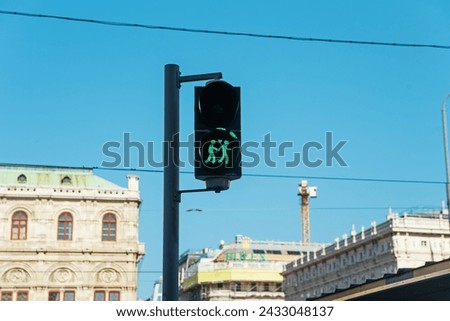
x=402, y=242
x=243, y=270
x=66, y=234
x=157, y=291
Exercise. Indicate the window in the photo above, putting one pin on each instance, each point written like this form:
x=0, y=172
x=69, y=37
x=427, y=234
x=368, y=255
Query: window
x=256, y=251
x=22, y=179
x=66, y=180
x=9, y=295
x=99, y=296
x=65, y=224
x=266, y=287
x=112, y=296
x=54, y=296
x=66, y=295
x=19, y=226
x=22, y=296
x=423, y=243
x=109, y=227
x=6, y=296
x=69, y=296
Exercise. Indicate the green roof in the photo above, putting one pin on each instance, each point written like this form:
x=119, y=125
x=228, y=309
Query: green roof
x=54, y=176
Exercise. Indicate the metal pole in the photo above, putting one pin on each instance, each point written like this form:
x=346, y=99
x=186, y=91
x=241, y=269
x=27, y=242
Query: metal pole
x=447, y=166
x=171, y=181
x=172, y=193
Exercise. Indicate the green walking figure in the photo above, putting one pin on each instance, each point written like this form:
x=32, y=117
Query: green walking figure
x=224, y=148
x=211, y=152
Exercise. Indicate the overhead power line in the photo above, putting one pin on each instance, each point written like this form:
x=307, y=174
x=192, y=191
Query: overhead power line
x=331, y=178
x=396, y=208
x=227, y=33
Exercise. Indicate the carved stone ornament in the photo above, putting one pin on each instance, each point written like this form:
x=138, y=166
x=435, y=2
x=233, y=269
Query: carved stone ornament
x=62, y=275
x=16, y=275
x=108, y=275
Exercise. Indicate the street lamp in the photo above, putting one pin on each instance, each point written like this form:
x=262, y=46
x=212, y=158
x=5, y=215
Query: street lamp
x=447, y=166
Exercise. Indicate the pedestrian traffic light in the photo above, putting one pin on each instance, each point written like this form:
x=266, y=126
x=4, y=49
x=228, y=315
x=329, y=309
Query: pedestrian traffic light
x=217, y=126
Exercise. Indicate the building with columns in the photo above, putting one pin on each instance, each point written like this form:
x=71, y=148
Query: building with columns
x=402, y=243
x=67, y=234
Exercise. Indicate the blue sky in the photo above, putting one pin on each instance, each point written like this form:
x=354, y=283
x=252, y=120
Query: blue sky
x=67, y=88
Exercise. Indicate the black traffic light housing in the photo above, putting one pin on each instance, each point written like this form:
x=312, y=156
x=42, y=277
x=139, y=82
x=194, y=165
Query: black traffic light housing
x=217, y=123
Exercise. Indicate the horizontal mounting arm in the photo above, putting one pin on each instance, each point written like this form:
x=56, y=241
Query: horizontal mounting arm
x=213, y=75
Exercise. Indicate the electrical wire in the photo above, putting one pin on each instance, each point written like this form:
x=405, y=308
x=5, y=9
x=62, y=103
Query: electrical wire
x=317, y=208
x=265, y=209
x=227, y=33
x=357, y=179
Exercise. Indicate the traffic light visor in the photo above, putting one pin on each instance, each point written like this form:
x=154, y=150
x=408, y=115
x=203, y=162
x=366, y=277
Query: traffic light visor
x=219, y=103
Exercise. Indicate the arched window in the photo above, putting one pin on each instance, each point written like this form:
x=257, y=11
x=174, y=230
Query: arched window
x=22, y=179
x=66, y=180
x=109, y=227
x=65, y=226
x=19, y=226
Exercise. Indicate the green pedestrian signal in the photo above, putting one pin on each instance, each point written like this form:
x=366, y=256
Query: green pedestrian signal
x=217, y=126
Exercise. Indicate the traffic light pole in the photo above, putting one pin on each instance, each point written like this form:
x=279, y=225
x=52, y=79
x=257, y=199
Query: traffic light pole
x=172, y=84
x=171, y=182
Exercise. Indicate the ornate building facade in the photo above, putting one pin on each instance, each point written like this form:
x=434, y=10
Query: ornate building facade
x=400, y=244
x=67, y=234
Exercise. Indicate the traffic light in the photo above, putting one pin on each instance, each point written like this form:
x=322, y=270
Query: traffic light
x=217, y=126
